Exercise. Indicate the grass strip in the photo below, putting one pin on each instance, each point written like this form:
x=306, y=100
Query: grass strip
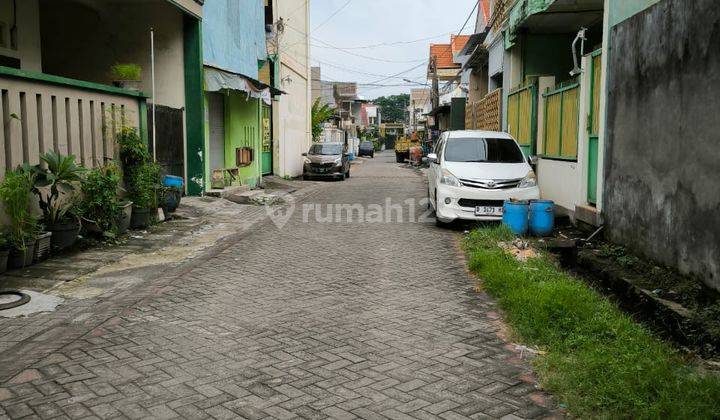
x=599, y=362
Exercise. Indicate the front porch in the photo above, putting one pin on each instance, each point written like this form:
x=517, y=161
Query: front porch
x=57, y=86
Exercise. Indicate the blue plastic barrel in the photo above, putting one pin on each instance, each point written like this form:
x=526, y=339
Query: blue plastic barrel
x=515, y=216
x=542, y=217
x=173, y=181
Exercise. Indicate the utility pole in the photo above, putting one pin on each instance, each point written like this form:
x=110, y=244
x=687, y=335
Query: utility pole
x=435, y=86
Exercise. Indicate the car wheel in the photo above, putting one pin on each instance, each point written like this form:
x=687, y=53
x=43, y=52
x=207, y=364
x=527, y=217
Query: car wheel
x=439, y=223
x=342, y=176
x=347, y=174
x=305, y=177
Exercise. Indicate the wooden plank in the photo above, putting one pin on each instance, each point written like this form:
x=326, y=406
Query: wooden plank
x=13, y=146
x=74, y=146
x=97, y=133
x=45, y=119
x=62, y=130
x=86, y=152
x=3, y=122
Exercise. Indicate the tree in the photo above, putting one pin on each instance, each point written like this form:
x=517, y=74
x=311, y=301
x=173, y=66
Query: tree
x=393, y=107
x=320, y=114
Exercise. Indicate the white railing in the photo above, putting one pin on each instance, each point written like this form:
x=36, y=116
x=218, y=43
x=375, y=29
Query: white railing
x=40, y=113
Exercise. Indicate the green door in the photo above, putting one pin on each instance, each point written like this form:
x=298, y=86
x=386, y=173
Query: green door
x=522, y=117
x=267, y=163
x=594, y=128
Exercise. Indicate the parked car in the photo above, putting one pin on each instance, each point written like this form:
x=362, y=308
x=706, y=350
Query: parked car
x=473, y=172
x=367, y=148
x=326, y=160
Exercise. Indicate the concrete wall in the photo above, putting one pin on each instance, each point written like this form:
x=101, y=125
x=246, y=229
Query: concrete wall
x=98, y=35
x=28, y=33
x=292, y=111
x=662, y=165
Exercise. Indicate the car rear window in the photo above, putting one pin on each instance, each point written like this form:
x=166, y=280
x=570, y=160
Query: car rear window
x=483, y=150
x=326, y=149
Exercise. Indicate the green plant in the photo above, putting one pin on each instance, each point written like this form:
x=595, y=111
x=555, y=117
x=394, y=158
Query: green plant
x=15, y=192
x=319, y=114
x=62, y=175
x=133, y=150
x=100, y=202
x=143, y=185
x=598, y=361
x=130, y=72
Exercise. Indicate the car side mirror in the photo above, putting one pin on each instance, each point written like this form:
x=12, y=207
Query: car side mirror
x=304, y=154
x=432, y=157
x=532, y=160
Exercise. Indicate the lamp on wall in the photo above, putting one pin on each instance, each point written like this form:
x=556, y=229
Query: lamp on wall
x=286, y=79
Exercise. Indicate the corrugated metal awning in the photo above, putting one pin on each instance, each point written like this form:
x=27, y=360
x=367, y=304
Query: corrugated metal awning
x=217, y=79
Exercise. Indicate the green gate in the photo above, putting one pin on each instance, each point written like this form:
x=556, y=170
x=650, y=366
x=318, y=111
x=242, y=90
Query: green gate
x=522, y=117
x=266, y=140
x=594, y=126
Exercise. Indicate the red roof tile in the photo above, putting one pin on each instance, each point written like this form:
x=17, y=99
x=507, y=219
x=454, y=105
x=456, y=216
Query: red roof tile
x=443, y=54
x=458, y=42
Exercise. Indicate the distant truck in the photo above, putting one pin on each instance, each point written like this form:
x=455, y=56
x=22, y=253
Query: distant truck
x=403, y=145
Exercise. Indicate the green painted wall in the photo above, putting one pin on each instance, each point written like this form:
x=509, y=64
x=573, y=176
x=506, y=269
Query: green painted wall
x=619, y=10
x=242, y=129
x=194, y=106
x=547, y=55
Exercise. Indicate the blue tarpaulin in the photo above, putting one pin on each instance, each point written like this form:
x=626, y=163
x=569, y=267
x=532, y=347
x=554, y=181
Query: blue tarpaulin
x=234, y=35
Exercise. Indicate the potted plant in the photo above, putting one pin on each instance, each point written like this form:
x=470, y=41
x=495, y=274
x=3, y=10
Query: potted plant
x=23, y=229
x=143, y=187
x=62, y=176
x=43, y=244
x=100, y=206
x=126, y=76
x=169, y=199
x=4, y=251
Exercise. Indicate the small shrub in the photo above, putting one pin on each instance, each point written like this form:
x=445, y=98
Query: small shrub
x=100, y=202
x=129, y=72
x=143, y=185
x=15, y=195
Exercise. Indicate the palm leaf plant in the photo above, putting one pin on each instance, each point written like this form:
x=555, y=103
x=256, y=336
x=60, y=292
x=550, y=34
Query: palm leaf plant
x=320, y=113
x=55, y=186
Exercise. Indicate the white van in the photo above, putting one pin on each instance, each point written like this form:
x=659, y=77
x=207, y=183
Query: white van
x=473, y=172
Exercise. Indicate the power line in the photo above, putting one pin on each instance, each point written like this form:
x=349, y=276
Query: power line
x=331, y=16
x=390, y=44
x=365, y=56
x=469, y=16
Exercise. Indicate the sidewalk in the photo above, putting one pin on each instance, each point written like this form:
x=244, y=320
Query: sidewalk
x=199, y=223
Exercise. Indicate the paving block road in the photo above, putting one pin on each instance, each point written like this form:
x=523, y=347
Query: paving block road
x=324, y=317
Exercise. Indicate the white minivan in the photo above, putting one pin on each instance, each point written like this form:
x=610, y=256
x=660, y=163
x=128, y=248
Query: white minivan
x=473, y=172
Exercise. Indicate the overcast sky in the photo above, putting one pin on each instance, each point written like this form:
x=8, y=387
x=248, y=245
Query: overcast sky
x=362, y=23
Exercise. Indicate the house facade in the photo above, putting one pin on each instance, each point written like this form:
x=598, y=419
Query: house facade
x=289, y=50
x=237, y=104
x=52, y=102
x=599, y=94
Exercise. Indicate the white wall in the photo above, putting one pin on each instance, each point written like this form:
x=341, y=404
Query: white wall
x=28, y=33
x=109, y=33
x=292, y=111
x=565, y=182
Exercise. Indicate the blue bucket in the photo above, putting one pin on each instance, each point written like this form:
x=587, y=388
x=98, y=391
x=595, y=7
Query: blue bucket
x=515, y=216
x=542, y=217
x=173, y=181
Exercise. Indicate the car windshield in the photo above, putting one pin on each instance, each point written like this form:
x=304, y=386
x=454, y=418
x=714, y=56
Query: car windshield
x=326, y=149
x=483, y=150
x=366, y=144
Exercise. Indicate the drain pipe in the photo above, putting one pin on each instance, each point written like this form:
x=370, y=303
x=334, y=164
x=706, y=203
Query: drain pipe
x=579, y=37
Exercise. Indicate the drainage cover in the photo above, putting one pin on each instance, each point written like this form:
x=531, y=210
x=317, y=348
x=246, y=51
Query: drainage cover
x=10, y=298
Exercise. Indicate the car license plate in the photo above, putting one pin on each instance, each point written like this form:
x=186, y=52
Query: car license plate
x=488, y=211
x=321, y=170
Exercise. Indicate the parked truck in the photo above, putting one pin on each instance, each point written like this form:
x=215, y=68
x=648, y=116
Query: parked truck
x=403, y=145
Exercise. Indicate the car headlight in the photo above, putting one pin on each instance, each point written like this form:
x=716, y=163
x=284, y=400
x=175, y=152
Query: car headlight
x=530, y=180
x=307, y=161
x=338, y=161
x=449, y=179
